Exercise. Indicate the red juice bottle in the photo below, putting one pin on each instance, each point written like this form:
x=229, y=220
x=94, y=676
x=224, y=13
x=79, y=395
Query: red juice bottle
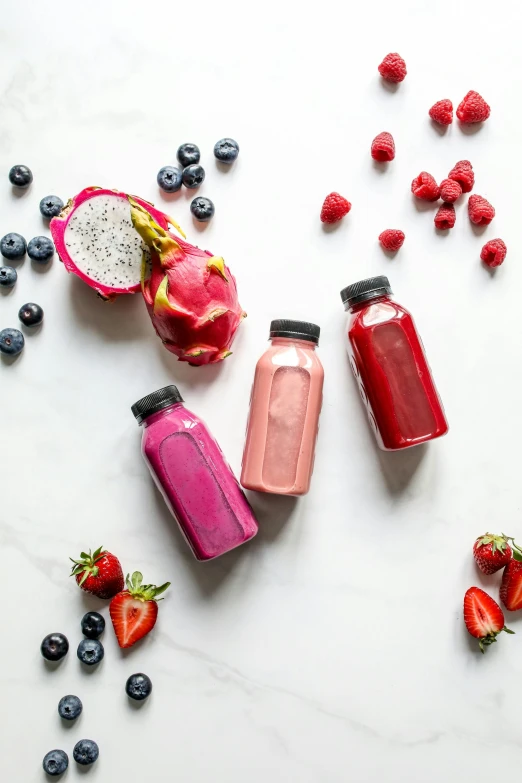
x=390, y=367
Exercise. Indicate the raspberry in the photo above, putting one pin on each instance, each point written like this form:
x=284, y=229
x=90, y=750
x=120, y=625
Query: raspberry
x=480, y=211
x=462, y=172
x=445, y=217
x=383, y=147
x=473, y=108
x=425, y=187
x=335, y=207
x=494, y=252
x=442, y=112
x=393, y=68
x=392, y=239
x=450, y=190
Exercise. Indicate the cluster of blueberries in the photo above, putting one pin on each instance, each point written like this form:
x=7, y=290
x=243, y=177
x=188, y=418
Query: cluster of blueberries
x=13, y=247
x=90, y=651
x=170, y=178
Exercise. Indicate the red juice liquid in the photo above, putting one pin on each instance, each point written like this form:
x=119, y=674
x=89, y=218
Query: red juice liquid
x=390, y=366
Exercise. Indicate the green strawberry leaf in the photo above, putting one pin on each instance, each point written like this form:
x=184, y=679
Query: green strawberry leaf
x=84, y=577
x=161, y=588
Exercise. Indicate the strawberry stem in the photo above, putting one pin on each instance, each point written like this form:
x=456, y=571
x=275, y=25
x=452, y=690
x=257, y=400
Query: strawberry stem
x=86, y=565
x=143, y=592
x=514, y=546
x=485, y=641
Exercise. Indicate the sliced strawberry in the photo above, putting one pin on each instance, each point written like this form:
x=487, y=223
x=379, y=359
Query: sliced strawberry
x=511, y=587
x=483, y=617
x=98, y=573
x=134, y=611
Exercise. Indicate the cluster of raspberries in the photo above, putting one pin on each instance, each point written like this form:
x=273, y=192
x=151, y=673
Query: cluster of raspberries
x=473, y=108
x=460, y=179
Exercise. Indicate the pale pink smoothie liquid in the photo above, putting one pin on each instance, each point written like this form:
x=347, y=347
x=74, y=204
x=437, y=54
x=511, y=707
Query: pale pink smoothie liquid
x=284, y=411
x=193, y=476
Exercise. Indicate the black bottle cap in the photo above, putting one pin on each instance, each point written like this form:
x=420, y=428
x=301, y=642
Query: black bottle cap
x=299, y=330
x=364, y=290
x=154, y=402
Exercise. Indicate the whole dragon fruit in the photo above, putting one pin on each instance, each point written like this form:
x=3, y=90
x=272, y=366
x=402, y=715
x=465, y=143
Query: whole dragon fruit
x=191, y=295
x=96, y=240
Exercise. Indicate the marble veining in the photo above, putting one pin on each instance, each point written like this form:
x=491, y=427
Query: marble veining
x=331, y=648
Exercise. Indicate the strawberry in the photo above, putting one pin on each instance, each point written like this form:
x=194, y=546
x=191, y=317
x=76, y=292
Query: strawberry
x=491, y=552
x=483, y=617
x=511, y=587
x=98, y=573
x=134, y=611
x=335, y=207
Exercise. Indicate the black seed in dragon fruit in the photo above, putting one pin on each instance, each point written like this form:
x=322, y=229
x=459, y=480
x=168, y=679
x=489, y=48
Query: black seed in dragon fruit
x=96, y=240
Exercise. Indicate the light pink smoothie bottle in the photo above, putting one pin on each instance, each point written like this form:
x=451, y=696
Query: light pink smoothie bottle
x=284, y=411
x=193, y=476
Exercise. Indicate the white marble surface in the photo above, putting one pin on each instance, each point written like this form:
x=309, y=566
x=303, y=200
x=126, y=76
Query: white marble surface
x=332, y=648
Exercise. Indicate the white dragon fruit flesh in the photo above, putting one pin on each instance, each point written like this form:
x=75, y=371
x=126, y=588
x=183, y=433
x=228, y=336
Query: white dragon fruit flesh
x=191, y=295
x=96, y=240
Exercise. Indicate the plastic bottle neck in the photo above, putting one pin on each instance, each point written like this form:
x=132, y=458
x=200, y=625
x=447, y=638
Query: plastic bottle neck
x=285, y=341
x=160, y=414
x=370, y=301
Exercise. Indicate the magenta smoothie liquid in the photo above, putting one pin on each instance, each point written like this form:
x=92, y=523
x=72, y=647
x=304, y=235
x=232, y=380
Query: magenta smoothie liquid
x=193, y=476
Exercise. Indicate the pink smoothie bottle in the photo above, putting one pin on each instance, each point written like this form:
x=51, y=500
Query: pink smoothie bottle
x=193, y=476
x=284, y=411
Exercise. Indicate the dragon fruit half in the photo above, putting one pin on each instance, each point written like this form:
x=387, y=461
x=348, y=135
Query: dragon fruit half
x=190, y=294
x=96, y=240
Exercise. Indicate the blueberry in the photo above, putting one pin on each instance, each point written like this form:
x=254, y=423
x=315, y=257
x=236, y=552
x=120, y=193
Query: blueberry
x=188, y=154
x=55, y=762
x=12, y=343
x=86, y=752
x=30, y=314
x=138, y=686
x=90, y=651
x=13, y=246
x=70, y=707
x=226, y=150
x=54, y=646
x=202, y=208
x=51, y=206
x=193, y=176
x=7, y=276
x=93, y=625
x=169, y=179
x=40, y=249
x=21, y=176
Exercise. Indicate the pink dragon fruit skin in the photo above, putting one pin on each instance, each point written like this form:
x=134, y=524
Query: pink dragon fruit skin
x=191, y=295
x=91, y=254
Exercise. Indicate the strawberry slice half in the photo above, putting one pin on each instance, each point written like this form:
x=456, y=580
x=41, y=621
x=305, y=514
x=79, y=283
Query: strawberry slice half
x=134, y=611
x=483, y=617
